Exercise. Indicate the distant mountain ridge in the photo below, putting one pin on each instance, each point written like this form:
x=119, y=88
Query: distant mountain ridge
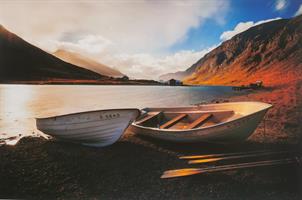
x=270, y=52
x=21, y=61
x=87, y=63
x=176, y=75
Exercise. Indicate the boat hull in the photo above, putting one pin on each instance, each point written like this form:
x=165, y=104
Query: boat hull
x=228, y=132
x=96, y=128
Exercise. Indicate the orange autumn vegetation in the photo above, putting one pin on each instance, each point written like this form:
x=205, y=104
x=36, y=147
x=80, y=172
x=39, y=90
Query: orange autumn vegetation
x=277, y=74
x=271, y=52
x=283, y=121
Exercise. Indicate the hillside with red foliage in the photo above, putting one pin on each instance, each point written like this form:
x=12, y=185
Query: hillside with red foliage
x=270, y=52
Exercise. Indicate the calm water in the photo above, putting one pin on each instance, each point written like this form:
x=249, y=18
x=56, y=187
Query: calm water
x=20, y=104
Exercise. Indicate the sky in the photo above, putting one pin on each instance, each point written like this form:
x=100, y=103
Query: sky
x=141, y=38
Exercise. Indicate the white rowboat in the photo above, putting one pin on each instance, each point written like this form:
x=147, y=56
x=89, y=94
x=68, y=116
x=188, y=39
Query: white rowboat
x=218, y=123
x=93, y=128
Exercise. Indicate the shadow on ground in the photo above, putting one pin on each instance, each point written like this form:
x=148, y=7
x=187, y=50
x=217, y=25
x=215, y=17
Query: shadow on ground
x=131, y=169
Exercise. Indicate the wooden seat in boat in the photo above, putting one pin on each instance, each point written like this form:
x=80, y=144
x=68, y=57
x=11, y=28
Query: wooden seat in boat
x=149, y=117
x=198, y=122
x=173, y=121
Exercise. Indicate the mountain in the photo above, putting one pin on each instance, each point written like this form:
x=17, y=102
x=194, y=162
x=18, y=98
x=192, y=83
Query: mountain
x=177, y=75
x=79, y=60
x=21, y=61
x=271, y=52
x=180, y=75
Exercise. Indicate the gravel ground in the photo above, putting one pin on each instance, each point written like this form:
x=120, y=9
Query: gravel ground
x=36, y=168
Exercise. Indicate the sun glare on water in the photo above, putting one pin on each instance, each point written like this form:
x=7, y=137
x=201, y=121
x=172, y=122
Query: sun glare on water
x=15, y=111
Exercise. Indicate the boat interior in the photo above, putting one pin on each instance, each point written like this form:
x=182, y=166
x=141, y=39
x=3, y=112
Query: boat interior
x=185, y=119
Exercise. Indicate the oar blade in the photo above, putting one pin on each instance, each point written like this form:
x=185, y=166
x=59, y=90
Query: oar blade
x=181, y=172
x=196, y=157
x=207, y=160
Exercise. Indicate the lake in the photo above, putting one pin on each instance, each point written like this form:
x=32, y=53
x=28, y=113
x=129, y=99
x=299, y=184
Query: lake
x=21, y=104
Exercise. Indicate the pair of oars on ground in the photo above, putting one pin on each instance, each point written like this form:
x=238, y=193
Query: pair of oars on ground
x=198, y=159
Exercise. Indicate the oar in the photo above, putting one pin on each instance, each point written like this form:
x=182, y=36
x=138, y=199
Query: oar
x=219, y=155
x=193, y=171
x=207, y=160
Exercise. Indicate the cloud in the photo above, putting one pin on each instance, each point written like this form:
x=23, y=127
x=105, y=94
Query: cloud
x=280, y=4
x=89, y=44
x=136, y=26
x=151, y=67
x=132, y=36
x=243, y=26
x=135, y=65
x=299, y=11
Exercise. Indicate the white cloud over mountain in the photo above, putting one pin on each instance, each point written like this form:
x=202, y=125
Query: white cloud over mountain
x=149, y=66
x=135, y=65
x=243, y=26
x=299, y=11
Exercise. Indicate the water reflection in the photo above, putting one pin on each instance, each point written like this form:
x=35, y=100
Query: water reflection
x=15, y=110
x=21, y=104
